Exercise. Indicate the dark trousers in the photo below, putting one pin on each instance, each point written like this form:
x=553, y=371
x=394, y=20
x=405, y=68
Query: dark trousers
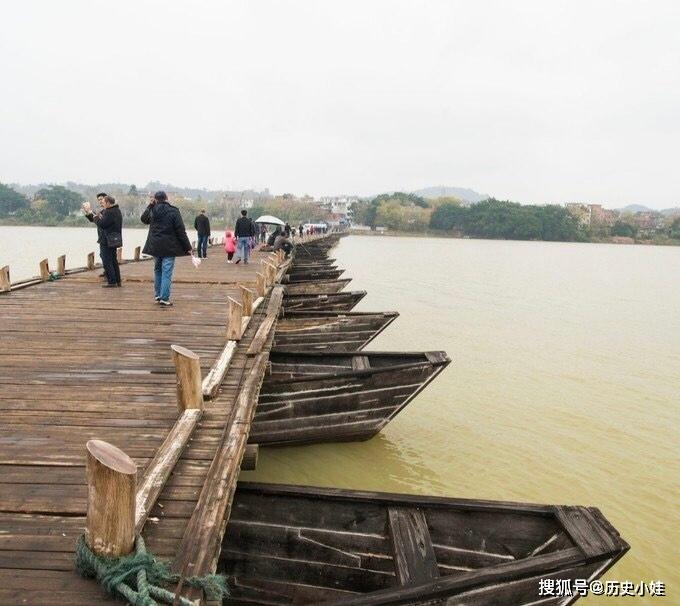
x=203, y=246
x=110, y=262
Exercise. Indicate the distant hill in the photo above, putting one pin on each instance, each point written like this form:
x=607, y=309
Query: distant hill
x=635, y=208
x=639, y=208
x=441, y=191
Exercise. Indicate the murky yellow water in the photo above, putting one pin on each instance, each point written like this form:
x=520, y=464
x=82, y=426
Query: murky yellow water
x=564, y=386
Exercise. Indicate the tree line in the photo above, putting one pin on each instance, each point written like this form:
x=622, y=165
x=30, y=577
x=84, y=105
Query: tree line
x=491, y=218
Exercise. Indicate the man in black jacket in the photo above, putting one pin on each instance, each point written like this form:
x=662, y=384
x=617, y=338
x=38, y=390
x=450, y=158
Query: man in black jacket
x=202, y=227
x=167, y=239
x=90, y=217
x=244, y=231
x=110, y=230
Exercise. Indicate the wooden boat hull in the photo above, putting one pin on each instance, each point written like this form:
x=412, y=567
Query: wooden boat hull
x=341, y=301
x=288, y=545
x=317, y=286
x=333, y=397
x=329, y=331
x=307, y=276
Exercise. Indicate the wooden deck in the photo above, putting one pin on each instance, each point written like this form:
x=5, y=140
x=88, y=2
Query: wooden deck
x=78, y=362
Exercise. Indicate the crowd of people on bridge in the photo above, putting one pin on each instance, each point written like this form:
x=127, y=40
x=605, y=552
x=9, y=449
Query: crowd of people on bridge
x=167, y=239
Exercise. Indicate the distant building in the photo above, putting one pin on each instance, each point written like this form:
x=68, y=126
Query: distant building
x=340, y=207
x=602, y=217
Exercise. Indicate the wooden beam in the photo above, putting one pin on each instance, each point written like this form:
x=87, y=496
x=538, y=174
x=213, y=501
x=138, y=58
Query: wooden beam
x=61, y=265
x=138, y=253
x=273, y=308
x=44, y=270
x=159, y=469
x=234, y=324
x=200, y=546
x=119, y=254
x=5, y=284
x=414, y=557
x=188, y=370
x=250, y=455
x=247, y=297
x=90, y=260
x=111, y=483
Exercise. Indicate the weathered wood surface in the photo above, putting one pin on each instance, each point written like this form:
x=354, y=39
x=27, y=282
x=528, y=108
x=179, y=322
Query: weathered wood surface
x=319, y=397
x=303, y=545
x=79, y=362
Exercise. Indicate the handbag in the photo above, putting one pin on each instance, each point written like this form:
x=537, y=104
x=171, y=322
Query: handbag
x=114, y=239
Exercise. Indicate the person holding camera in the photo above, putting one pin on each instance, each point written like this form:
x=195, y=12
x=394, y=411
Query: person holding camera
x=110, y=231
x=167, y=239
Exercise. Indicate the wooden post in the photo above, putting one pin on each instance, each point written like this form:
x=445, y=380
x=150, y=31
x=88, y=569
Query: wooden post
x=5, y=284
x=44, y=270
x=271, y=273
x=188, y=371
x=119, y=254
x=260, y=284
x=138, y=252
x=61, y=265
x=90, y=260
x=111, y=491
x=247, y=300
x=235, y=317
x=193, y=245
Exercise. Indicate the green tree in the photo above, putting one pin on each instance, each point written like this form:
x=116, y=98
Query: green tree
x=621, y=228
x=11, y=201
x=675, y=229
x=133, y=190
x=60, y=201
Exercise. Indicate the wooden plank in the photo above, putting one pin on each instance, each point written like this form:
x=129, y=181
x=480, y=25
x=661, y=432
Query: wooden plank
x=262, y=334
x=414, y=558
x=163, y=463
x=586, y=531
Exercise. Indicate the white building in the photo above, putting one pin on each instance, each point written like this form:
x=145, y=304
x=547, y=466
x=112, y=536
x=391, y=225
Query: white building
x=340, y=206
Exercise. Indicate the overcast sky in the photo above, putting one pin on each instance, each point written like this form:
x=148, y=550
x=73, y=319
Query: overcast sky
x=535, y=101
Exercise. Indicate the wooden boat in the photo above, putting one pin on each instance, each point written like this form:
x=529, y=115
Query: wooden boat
x=331, y=397
x=313, y=264
x=315, y=274
x=330, y=331
x=288, y=545
x=340, y=301
x=317, y=286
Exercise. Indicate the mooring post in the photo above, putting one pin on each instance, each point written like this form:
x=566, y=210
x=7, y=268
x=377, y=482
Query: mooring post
x=61, y=265
x=189, y=384
x=235, y=317
x=44, y=270
x=138, y=251
x=246, y=300
x=5, y=284
x=90, y=260
x=193, y=245
x=111, y=491
x=119, y=254
x=271, y=269
x=260, y=284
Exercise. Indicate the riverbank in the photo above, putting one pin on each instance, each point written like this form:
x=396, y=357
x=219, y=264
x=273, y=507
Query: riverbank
x=449, y=236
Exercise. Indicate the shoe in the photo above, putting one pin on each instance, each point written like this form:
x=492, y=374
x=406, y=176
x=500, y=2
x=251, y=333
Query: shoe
x=102, y=275
x=157, y=299
x=237, y=261
x=107, y=285
x=119, y=284
x=165, y=303
x=245, y=262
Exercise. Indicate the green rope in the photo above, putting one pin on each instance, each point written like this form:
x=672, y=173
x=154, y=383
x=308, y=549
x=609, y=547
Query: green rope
x=136, y=577
x=53, y=276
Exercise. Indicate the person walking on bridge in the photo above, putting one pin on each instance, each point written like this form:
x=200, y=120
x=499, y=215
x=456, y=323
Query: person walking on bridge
x=167, y=239
x=244, y=231
x=202, y=227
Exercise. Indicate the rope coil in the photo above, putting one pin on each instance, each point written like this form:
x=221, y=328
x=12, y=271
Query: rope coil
x=136, y=577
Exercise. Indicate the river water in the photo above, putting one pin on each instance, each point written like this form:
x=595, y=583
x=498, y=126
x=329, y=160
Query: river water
x=564, y=386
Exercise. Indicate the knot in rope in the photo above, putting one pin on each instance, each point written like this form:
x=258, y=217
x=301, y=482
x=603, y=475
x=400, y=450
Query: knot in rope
x=137, y=577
